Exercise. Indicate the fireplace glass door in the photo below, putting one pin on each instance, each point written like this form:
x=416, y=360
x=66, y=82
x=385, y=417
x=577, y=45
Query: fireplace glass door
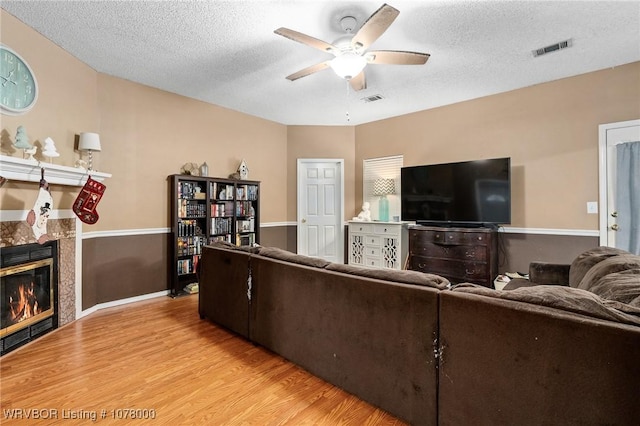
x=27, y=295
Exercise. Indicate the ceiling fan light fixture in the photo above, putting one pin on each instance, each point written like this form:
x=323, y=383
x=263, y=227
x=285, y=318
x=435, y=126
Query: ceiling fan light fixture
x=348, y=65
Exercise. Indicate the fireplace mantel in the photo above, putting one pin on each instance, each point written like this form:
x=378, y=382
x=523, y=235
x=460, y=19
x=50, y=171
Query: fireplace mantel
x=14, y=168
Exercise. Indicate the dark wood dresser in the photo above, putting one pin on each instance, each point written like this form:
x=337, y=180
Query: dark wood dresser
x=458, y=254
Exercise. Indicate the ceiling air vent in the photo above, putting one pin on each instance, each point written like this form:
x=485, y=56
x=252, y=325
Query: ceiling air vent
x=372, y=98
x=552, y=48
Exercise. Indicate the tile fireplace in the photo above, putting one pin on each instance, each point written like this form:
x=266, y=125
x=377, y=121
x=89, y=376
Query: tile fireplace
x=39, y=283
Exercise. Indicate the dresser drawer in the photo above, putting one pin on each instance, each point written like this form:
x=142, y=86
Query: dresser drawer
x=372, y=240
x=386, y=229
x=364, y=228
x=373, y=251
x=456, y=271
x=374, y=262
x=449, y=251
x=450, y=237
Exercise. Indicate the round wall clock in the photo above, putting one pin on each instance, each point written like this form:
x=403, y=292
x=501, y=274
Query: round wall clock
x=18, y=85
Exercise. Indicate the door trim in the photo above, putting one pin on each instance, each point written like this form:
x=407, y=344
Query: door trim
x=340, y=222
x=602, y=172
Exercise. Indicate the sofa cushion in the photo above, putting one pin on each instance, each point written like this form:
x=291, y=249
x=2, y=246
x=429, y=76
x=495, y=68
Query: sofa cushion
x=287, y=256
x=567, y=299
x=583, y=263
x=623, y=287
x=394, y=275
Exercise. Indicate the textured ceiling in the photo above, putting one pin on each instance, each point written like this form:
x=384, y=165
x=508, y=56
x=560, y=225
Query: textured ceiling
x=225, y=52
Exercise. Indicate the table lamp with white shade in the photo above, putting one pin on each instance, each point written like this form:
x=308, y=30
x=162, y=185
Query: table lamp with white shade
x=89, y=142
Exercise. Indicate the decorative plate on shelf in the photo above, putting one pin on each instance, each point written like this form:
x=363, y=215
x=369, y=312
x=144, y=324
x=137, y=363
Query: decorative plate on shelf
x=190, y=169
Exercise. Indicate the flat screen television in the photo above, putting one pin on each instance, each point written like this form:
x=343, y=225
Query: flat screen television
x=468, y=193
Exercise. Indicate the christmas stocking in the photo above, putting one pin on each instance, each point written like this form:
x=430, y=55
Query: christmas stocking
x=38, y=216
x=85, y=205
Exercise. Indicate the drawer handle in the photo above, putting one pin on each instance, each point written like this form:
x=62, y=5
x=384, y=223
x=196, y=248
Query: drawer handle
x=469, y=272
x=385, y=229
x=470, y=254
x=421, y=265
x=372, y=251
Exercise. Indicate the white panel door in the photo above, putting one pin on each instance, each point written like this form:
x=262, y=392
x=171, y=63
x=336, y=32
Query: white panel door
x=611, y=135
x=320, y=208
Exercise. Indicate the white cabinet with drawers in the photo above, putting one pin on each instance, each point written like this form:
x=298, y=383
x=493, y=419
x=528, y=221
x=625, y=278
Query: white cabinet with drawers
x=378, y=244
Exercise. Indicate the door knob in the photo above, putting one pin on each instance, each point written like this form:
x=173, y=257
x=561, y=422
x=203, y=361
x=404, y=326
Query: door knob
x=615, y=227
x=614, y=214
x=304, y=220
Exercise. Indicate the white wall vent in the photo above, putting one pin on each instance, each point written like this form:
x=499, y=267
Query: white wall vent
x=552, y=48
x=372, y=98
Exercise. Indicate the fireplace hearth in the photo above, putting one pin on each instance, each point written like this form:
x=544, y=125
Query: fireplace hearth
x=28, y=293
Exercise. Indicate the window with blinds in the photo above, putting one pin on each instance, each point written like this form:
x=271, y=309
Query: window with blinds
x=382, y=168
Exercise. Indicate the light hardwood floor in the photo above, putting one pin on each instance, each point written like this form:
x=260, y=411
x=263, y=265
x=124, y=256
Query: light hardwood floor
x=157, y=355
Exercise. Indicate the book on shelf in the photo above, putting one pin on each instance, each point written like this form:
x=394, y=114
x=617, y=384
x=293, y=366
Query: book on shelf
x=188, y=266
x=219, y=209
x=246, y=225
x=191, y=208
x=220, y=238
x=191, y=190
x=189, y=227
x=221, y=225
x=245, y=239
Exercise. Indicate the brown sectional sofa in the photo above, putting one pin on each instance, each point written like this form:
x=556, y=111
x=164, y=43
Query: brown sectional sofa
x=430, y=354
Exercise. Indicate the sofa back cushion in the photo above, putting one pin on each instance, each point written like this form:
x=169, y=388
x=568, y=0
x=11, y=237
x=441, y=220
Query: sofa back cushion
x=616, y=278
x=287, y=256
x=623, y=287
x=585, y=261
x=230, y=246
x=393, y=275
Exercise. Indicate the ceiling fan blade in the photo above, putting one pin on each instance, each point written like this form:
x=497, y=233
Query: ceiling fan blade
x=305, y=39
x=396, y=57
x=309, y=70
x=375, y=26
x=358, y=82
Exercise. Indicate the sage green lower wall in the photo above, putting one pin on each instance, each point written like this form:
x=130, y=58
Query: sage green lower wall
x=122, y=267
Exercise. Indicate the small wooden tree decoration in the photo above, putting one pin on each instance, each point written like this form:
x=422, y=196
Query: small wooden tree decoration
x=22, y=142
x=49, y=149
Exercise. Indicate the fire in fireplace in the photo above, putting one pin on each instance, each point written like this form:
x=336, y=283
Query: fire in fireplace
x=28, y=291
x=27, y=294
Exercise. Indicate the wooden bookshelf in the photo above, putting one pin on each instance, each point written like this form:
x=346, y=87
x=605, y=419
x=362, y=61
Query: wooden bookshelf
x=205, y=210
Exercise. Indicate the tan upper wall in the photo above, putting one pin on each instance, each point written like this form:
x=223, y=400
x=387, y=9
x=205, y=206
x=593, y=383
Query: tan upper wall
x=146, y=134
x=321, y=142
x=550, y=131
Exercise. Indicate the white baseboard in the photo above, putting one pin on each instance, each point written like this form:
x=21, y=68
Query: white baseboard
x=105, y=305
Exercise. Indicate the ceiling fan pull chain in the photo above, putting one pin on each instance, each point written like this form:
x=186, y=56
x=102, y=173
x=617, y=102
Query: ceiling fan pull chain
x=348, y=118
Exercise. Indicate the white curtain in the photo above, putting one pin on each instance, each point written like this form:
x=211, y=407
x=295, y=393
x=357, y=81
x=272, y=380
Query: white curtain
x=628, y=196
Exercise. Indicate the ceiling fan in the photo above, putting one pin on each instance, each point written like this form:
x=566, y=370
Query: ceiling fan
x=350, y=51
